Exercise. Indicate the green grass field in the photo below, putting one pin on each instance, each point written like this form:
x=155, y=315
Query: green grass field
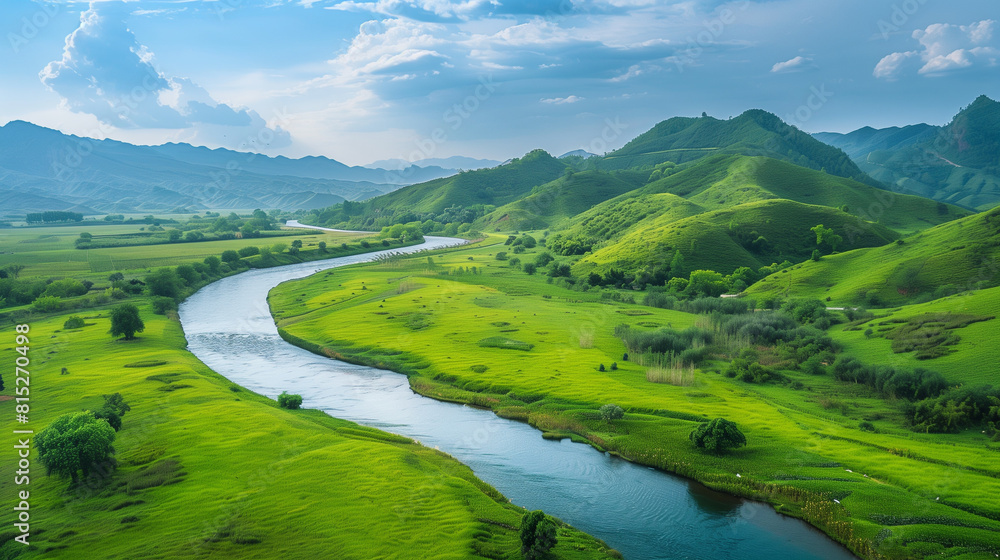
x=209, y=469
x=49, y=251
x=901, y=494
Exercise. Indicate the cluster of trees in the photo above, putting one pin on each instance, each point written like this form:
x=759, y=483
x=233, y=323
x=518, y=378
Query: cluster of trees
x=52, y=216
x=958, y=408
x=891, y=381
x=366, y=215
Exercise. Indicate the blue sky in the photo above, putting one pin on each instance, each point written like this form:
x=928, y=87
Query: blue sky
x=360, y=80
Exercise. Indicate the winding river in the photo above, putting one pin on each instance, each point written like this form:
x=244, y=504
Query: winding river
x=643, y=513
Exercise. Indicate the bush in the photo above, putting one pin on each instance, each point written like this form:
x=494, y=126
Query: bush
x=249, y=251
x=47, y=304
x=718, y=435
x=161, y=305
x=291, y=402
x=611, y=412
x=74, y=322
x=230, y=256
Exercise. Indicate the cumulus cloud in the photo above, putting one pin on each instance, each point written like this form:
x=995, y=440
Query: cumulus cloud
x=562, y=100
x=944, y=47
x=793, y=65
x=104, y=71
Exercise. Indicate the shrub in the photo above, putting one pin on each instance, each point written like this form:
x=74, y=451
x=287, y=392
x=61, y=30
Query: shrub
x=718, y=435
x=291, y=402
x=611, y=412
x=161, y=305
x=230, y=256
x=249, y=251
x=47, y=304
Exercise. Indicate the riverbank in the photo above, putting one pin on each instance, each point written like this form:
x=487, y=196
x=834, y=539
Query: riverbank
x=866, y=490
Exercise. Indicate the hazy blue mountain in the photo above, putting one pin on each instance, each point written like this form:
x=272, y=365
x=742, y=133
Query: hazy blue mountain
x=957, y=163
x=44, y=169
x=578, y=153
x=453, y=163
x=861, y=142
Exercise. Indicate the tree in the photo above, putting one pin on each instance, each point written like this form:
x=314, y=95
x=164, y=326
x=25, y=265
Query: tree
x=538, y=534
x=825, y=235
x=125, y=321
x=718, y=435
x=611, y=412
x=230, y=256
x=322, y=246
x=75, y=443
x=164, y=282
x=677, y=265
x=14, y=270
x=116, y=277
x=291, y=402
x=297, y=243
x=213, y=262
x=114, y=408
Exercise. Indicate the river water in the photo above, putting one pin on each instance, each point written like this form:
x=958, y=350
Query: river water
x=645, y=514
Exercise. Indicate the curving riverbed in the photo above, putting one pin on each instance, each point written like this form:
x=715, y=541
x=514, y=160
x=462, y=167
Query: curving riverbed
x=643, y=513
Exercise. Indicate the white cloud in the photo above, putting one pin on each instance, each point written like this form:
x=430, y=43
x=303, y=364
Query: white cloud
x=562, y=100
x=104, y=71
x=890, y=66
x=945, y=47
x=793, y=65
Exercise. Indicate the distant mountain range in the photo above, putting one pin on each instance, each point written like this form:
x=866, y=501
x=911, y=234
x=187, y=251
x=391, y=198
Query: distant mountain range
x=43, y=169
x=453, y=162
x=957, y=163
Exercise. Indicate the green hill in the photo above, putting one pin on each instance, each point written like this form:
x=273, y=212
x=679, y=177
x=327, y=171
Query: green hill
x=754, y=133
x=722, y=181
x=753, y=234
x=567, y=196
x=955, y=256
x=478, y=190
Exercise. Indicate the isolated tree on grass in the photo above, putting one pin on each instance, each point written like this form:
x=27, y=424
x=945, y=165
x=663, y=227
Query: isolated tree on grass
x=718, y=435
x=538, y=535
x=75, y=443
x=825, y=235
x=125, y=321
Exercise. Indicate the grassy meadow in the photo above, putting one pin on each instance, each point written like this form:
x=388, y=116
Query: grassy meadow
x=206, y=468
x=531, y=349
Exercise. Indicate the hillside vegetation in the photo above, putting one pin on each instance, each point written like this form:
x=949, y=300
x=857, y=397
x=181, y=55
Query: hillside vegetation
x=953, y=257
x=753, y=235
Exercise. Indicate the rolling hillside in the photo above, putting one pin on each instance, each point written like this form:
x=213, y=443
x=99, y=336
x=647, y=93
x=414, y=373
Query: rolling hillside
x=753, y=234
x=723, y=181
x=562, y=198
x=956, y=256
x=754, y=133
